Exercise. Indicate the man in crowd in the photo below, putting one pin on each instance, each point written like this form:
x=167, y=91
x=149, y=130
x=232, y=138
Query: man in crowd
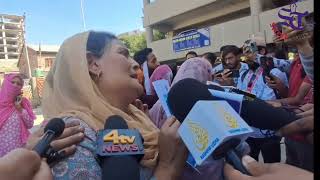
x=211, y=57
x=231, y=63
x=148, y=63
x=146, y=56
x=298, y=152
x=253, y=81
x=191, y=54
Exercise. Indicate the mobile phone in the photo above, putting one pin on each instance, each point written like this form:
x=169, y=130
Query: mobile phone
x=218, y=73
x=267, y=63
x=234, y=73
x=253, y=47
x=271, y=77
x=247, y=94
x=18, y=98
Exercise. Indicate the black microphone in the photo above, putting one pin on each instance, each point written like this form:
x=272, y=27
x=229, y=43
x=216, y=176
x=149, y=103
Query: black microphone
x=53, y=129
x=120, y=150
x=182, y=97
x=257, y=113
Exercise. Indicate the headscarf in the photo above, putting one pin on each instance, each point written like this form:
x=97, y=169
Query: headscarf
x=8, y=94
x=195, y=68
x=161, y=72
x=70, y=91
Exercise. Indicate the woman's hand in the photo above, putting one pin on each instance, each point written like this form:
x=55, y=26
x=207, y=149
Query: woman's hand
x=72, y=135
x=172, y=151
x=260, y=171
x=142, y=107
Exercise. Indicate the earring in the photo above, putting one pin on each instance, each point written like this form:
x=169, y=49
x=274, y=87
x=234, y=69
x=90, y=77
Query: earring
x=97, y=77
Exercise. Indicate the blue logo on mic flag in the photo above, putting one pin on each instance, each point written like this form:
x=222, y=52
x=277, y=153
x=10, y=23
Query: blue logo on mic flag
x=207, y=125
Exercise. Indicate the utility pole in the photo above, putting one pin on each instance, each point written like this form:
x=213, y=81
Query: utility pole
x=82, y=13
x=25, y=47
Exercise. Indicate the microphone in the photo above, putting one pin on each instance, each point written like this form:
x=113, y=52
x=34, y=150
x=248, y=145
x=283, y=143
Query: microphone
x=53, y=129
x=120, y=150
x=257, y=113
x=209, y=126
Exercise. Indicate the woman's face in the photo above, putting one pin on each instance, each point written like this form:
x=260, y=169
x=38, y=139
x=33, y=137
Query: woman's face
x=16, y=81
x=117, y=75
x=152, y=61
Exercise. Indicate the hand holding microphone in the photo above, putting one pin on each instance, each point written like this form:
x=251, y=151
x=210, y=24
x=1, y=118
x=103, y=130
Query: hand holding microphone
x=120, y=150
x=190, y=98
x=71, y=136
x=52, y=131
x=172, y=151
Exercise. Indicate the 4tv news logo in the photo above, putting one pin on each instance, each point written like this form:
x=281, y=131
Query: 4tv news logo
x=119, y=142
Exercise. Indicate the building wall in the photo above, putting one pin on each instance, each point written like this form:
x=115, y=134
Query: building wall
x=36, y=61
x=11, y=36
x=160, y=10
x=23, y=66
x=46, y=61
x=231, y=32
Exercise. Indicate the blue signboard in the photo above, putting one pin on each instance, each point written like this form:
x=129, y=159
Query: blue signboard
x=195, y=38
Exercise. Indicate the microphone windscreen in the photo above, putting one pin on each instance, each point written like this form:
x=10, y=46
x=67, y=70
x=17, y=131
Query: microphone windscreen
x=121, y=168
x=257, y=113
x=260, y=114
x=115, y=122
x=184, y=94
x=56, y=125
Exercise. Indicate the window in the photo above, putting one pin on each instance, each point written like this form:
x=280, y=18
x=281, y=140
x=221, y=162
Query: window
x=48, y=62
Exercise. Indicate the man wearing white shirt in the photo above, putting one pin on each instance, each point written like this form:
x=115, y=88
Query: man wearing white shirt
x=253, y=81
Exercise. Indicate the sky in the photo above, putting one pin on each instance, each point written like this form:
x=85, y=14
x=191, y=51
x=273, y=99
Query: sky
x=52, y=21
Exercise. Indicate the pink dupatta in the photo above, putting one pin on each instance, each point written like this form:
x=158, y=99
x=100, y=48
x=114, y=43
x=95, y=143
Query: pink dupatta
x=161, y=72
x=8, y=94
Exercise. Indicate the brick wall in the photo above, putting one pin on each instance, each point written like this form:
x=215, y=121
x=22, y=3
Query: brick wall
x=23, y=66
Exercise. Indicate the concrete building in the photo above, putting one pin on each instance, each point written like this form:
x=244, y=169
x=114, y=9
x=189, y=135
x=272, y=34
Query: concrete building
x=41, y=59
x=224, y=21
x=11, y=41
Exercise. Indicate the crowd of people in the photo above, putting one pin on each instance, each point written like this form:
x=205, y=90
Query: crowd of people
x=94, y=77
